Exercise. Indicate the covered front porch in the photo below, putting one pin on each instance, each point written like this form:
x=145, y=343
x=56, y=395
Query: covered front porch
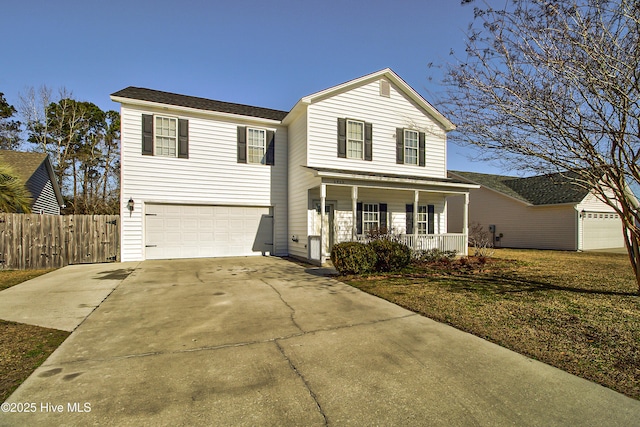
x=352, y=207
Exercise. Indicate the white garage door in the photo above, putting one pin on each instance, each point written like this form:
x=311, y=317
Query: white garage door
x=185, y=231
x=601, y=231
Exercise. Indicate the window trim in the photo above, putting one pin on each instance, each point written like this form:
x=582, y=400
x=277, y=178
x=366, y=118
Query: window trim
x=361, y=141
x=263, y=147
x=407, y=148
x=155, y=135
x=365, y=212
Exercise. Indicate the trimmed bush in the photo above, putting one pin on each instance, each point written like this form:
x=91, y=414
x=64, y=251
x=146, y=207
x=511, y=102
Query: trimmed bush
x=353, y=258
x=391, y=256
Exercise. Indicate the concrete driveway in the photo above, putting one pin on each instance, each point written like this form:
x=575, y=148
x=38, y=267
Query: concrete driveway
x=263, y=341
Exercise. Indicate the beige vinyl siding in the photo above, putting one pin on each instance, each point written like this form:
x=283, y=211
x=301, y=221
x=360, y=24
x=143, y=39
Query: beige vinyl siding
x=386, y=114
x=522, y=226
x=210, y=176
x=600, y=227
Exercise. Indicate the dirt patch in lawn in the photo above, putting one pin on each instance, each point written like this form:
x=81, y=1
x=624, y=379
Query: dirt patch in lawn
x=22, y=347
x=579, y=312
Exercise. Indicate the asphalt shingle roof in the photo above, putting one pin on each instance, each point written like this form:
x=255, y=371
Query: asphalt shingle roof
x=160, y=97
x=23, y=164
x=551, y=189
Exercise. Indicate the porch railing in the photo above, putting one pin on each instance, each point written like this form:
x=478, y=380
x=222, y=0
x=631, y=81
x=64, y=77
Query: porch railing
x=445, y=242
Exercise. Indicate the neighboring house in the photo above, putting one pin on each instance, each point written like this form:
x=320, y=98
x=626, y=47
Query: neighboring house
x=35, y=170
x=205, y=178
x=543, y=212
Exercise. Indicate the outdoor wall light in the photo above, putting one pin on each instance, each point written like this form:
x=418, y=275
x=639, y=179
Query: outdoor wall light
x=130, y=205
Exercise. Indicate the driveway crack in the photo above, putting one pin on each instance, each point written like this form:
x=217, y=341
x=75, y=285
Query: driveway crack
x=304, y=381
x=293, y=310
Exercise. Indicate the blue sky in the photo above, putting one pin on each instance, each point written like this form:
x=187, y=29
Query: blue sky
x=262, y=53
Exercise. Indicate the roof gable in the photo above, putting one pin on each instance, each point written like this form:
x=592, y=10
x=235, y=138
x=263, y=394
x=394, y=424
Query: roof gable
x=385, y=73
x=168, y=98
x=26, y=164
x=551, y=189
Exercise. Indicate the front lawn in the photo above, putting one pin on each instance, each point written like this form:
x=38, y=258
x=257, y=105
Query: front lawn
x=579, y=312
x=22, y=347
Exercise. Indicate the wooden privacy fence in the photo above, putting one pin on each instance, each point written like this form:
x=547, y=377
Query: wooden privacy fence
x=51, y=241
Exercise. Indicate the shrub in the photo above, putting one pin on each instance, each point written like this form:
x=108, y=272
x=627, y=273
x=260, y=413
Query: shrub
x=433, y=255
x=353, y=258
x=390, y=255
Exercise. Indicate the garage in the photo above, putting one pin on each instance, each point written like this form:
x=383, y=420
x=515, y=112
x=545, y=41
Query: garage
x=195, y=231
x=601, y=230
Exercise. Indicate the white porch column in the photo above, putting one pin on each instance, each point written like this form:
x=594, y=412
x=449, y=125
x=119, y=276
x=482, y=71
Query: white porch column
x=323, y=200
x=354, y=213
x=465, y=224
x=416, y=199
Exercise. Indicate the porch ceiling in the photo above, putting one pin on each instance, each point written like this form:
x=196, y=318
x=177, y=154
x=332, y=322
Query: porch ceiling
x=390, y=181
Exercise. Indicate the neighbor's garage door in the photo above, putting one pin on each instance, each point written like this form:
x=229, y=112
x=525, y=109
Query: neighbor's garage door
x=184, y=231
x=601, y=231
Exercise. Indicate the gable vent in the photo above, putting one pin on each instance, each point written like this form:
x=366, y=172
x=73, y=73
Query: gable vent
x=385, y=88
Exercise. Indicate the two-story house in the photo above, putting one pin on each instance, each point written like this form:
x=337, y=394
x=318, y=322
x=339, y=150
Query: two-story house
x=205, y=178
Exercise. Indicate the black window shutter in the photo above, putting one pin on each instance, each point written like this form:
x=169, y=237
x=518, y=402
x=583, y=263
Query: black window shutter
x=368, y=141
x=359, y=218
x=147, y=134
x=242, y=144
x=421, y=160
x=342, y=138
x=383, y=217
x=270, y=155
x=183, y=138
x=399, y=146
x=430, y=213
x=409, y=212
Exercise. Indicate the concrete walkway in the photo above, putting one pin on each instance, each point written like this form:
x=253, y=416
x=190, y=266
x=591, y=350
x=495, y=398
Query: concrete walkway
x=63, y=298
x=260, y=341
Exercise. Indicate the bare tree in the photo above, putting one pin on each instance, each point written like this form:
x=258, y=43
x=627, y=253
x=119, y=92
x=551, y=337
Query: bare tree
x=554, y=86
x=83, y=143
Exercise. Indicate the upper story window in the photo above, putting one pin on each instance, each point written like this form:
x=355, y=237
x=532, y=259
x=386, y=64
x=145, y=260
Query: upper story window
x=165, y=136
x=256, y=145
x=410, y=147
x=355, y=139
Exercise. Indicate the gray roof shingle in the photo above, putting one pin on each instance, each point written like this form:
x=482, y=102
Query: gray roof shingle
x=160, y=97
x=23, y=164
x=551, y=189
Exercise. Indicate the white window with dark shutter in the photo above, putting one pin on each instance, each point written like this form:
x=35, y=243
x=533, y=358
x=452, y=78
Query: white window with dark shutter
x=370, y=217
x=410, y=147
x=422, y=220
x=166, y=136
x=355, y=139
x=256, y=145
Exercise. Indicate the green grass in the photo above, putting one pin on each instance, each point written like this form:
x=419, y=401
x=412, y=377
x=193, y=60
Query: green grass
x=22, y=347
x=579, y=312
